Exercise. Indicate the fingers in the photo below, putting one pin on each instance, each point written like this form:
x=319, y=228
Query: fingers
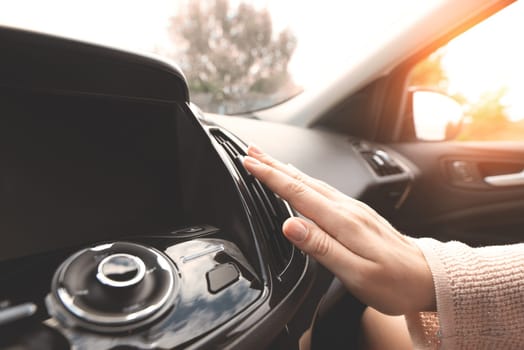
x=300, y=196
x=311, y=239
x=342, y=221
x=371, y=258
x=317, y=185
x=293, y=172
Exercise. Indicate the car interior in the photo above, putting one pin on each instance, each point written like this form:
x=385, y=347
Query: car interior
x=128, y=221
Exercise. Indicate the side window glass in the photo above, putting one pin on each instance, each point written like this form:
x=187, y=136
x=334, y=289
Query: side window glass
x=483, y=69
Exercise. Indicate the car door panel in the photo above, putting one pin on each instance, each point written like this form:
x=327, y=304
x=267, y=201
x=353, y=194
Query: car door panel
x=467, y=191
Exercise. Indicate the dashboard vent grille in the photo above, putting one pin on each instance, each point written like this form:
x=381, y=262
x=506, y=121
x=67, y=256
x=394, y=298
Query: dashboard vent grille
x=271, y=211
x=379, y=160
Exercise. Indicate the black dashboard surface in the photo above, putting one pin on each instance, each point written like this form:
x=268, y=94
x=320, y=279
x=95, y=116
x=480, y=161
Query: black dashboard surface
x=118, y=206
x=326, y=155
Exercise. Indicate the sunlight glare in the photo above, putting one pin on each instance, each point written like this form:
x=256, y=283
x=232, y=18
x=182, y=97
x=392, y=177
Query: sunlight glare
x=329, y=35
x=488, y=57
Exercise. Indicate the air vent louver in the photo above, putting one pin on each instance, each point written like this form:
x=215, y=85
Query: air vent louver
x=270, y=210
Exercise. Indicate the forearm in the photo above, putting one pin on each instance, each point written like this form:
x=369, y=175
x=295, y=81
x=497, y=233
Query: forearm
x=479, y=295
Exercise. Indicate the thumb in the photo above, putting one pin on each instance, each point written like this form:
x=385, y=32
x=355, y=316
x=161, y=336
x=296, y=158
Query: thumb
x=311, y=239
x=307, y=237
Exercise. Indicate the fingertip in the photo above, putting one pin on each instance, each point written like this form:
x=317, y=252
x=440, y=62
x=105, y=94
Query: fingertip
x=250, y=162
x=254, y=150
x=295, y=229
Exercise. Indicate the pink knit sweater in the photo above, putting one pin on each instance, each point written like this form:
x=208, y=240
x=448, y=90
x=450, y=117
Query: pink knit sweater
x=480, y=298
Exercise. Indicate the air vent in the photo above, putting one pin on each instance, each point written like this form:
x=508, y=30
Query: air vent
x=271, y=211
x=379, y=160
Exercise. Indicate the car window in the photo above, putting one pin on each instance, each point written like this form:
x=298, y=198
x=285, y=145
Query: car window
x=482, y=69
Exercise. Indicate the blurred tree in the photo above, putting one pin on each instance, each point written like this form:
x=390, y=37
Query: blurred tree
x=487, y=116
x=228, y=52
x=430, y=73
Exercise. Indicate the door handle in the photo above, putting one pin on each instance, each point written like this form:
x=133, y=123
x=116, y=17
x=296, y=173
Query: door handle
x=515, y=179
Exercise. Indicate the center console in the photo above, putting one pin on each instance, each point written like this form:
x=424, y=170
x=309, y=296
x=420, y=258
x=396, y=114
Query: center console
x=132, y=293
x=126, y=219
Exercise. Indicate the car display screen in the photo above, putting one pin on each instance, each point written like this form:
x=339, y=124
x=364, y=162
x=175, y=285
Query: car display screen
x=77, y=168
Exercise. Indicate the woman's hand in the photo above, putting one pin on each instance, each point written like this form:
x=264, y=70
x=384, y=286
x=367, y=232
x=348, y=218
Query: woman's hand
x=375, y=262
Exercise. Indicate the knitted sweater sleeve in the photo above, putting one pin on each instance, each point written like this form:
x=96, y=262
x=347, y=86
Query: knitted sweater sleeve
x=480, y=297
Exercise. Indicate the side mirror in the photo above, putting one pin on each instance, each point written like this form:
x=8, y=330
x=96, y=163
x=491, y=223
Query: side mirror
x=436, y=116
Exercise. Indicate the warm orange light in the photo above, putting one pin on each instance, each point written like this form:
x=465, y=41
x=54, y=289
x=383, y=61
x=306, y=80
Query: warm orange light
x=489, y=57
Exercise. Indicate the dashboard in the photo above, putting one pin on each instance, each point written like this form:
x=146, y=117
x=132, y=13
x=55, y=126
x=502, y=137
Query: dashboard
x=127, y=219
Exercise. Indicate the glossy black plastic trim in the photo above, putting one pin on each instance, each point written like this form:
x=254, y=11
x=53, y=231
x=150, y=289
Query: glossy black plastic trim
x=32, y=60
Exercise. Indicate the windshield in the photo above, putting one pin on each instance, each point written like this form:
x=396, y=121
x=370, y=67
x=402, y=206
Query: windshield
x=238, y=56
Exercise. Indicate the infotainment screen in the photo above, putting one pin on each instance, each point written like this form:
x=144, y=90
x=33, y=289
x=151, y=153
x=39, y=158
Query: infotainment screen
x=78, y=169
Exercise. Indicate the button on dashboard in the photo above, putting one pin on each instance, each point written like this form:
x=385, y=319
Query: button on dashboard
x=222, y=276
